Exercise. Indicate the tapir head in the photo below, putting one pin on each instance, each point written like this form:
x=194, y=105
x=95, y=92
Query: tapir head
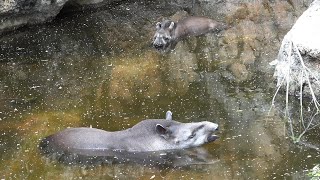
x=164, y=35
x=187, y=135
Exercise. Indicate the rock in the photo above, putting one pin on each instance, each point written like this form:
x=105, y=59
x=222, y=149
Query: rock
x=183, y=66
x=239, y=71
x=14, y=14
x=305, y=32
x=178, y=16
x=300, y=52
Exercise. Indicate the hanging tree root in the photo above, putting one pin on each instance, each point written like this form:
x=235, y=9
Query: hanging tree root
x=287, y=75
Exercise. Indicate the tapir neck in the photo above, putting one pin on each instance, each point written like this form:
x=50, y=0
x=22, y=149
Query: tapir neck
x=179, y=32
x=143, y=138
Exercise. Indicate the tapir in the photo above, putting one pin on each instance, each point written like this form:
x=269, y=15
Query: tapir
x=169, y=33
x=146, y=136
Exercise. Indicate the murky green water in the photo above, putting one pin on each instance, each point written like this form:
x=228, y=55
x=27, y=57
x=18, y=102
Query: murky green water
x=85, y=72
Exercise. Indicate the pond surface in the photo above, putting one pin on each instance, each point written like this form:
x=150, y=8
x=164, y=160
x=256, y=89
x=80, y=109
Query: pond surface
x=82, y=70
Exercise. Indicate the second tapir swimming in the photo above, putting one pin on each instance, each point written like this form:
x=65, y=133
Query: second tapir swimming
x=169, y=33
x=147, y=135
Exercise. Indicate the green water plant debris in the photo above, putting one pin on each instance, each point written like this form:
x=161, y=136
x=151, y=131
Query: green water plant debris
x=314, y=173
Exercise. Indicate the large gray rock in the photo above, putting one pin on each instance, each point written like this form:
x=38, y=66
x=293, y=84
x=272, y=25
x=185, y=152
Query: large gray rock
x=17, y=13
x=299, y=55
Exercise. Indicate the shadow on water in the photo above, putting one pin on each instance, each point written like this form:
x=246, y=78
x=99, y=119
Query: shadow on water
x=97, y=69
x=158, y=159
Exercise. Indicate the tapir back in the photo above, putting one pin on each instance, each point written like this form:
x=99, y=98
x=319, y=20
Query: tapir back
x=195, y=26
x=141, y=137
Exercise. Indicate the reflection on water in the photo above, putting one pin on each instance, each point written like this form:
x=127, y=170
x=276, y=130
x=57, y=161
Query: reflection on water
x=95, y=72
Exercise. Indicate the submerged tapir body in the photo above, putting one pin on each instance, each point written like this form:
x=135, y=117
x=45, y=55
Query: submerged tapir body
x=147, y=135
x=168, y=33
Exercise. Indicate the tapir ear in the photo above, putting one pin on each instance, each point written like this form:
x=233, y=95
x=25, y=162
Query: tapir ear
x=158, y=25
x=169, y=115
x=171, y=25
x=161, y=130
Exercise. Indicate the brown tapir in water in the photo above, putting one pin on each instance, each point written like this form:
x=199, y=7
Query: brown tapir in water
x=148, y=135
x=169, y=33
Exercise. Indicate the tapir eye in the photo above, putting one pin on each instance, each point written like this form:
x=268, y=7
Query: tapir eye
x=192, y=136
x=166, y=38
x=158, y=25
